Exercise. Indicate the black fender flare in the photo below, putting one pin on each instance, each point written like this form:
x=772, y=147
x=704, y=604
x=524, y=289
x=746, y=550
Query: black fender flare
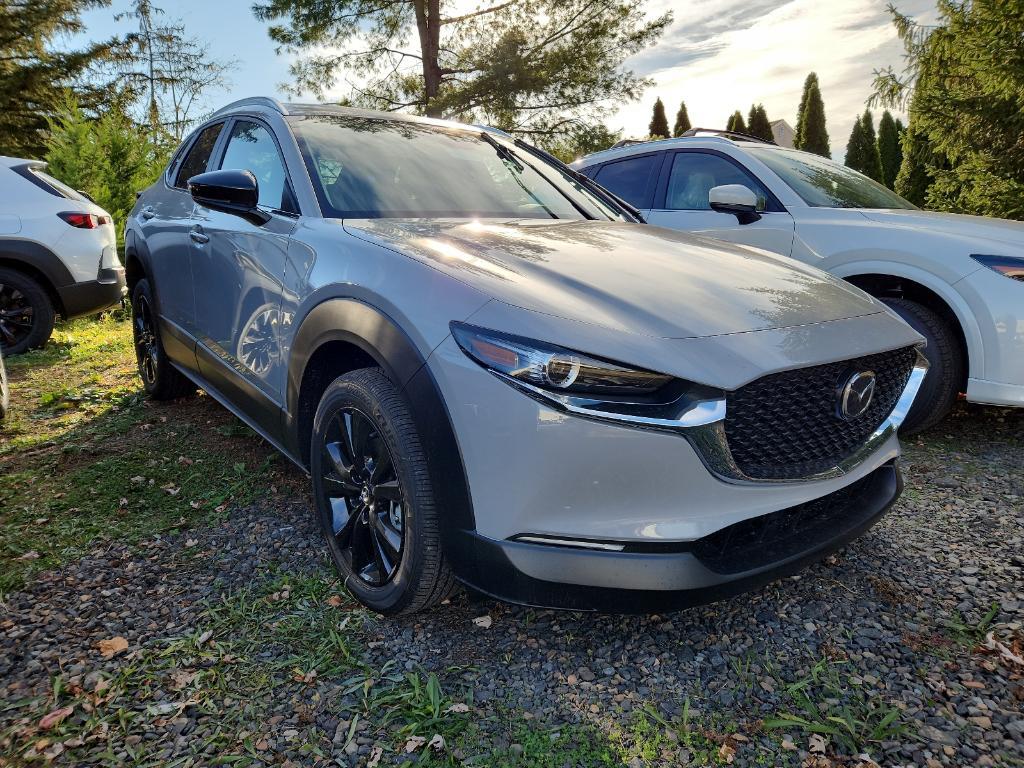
x=381, y=338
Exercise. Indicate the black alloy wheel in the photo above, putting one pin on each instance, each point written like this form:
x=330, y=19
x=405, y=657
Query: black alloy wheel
x=374, y=495
x=362, y=490
x=26, y=312
x=147, y=347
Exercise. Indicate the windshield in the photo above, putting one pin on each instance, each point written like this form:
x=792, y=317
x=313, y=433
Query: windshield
x=827, y=184
x=379, y=168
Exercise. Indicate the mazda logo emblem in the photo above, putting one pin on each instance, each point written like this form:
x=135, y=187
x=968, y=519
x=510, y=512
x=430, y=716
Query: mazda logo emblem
x=853, y=396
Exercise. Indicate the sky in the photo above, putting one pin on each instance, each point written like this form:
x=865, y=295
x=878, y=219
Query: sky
x=717, y=56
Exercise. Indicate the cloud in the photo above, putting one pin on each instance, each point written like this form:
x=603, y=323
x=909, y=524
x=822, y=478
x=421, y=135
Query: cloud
x=723, y=55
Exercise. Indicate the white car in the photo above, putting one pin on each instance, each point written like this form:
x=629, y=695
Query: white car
x=957, y=280
x=58, y=255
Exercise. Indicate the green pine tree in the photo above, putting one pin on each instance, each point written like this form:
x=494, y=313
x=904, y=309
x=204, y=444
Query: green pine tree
x=735, y=123
x=758, y=123
x=872, y=159
x=856, y=157
x=682, y=121
x=659, y=122
x=889, y=149
x=811, y=134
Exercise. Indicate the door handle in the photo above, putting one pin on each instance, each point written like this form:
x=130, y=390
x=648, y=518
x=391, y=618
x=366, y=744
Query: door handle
x=198, y=236
x=148, y=212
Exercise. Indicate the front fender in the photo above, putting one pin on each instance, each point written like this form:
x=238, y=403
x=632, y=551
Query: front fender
x=379, y=336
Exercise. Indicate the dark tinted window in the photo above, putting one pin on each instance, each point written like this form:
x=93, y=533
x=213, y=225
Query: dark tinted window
x=693, y=176
x=198, y=156
x=252, y=148
x=628, y=178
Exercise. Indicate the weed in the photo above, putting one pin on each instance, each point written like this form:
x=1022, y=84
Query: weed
x=826, y=702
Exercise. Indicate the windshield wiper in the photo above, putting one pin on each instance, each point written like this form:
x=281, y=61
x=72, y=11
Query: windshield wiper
x=583, y=180
x=504, y=152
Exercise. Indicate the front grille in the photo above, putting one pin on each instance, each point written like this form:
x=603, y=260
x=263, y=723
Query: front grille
x=781, y=535
x=785, y=426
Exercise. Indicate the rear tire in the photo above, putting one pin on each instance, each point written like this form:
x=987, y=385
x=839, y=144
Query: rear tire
x=374, y=496
x=941, y=385
x=26, y=313
x=160, y=379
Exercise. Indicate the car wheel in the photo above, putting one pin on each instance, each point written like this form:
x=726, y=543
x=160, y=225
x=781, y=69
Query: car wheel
x=941, y=385
x=5, y=395
x=374, y=497
x=26, y=313
x=160, y=379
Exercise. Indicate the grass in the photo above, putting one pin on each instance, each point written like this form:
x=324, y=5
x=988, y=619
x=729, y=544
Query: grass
x=85, y=457
x=832, y=704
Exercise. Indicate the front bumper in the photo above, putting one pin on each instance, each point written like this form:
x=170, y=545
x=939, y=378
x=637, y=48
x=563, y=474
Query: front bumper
x=737, y=559
x=538, y=472
x=92, y=296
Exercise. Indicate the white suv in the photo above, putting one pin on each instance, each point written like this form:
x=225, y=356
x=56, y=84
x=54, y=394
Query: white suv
x=58, y=254
x=956, y=279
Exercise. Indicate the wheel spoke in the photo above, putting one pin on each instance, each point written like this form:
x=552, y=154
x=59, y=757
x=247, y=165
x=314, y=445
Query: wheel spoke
x=337, y=488
x=380, y=558
x=344, y=527
x=359, y=432
x=360, y=545
x=388, y=491
x=390, y=540
x=340, y=461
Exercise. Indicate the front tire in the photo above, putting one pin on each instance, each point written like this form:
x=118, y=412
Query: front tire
x=946, y=364
x=374, y=496
x=160, y=379
x=26, y=313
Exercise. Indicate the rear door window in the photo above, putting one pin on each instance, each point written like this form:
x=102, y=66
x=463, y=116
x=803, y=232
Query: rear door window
x=198, y=157
x=629, y=178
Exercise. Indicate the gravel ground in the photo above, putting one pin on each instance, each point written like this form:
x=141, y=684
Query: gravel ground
x=896, y=622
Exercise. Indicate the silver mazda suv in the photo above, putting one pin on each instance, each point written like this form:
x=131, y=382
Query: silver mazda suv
x=494, y=374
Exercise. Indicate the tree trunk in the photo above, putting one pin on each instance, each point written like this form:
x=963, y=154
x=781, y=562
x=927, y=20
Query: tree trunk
x=428, y=25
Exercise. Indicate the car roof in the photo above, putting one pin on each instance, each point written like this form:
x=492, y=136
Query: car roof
x=659, y=145
x=303, y=109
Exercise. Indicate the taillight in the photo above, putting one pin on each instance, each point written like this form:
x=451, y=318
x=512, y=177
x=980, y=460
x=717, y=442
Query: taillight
x=84, y=220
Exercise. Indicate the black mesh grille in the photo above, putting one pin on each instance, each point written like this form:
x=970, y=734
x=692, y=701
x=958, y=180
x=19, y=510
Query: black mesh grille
x=785, y=426
x=780, y=535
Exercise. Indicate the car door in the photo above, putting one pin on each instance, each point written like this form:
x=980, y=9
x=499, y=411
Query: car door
x=681, y=201
x=632, y=178
x=163, y=221
x=238, y=265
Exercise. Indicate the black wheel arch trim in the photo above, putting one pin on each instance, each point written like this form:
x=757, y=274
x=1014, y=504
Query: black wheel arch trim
x=378, y=335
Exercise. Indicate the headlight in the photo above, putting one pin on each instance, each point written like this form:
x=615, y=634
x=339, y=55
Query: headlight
x=590, y=387
x=554, y=368
x=1004, y=265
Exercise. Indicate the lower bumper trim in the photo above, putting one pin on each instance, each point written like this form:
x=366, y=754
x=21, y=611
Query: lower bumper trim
x=93, y=296
x=718, y=566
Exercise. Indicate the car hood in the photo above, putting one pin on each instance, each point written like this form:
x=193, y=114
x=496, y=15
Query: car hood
x=629, y=277
x=974, y=228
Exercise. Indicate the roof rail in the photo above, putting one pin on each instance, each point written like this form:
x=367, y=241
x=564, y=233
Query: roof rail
x=255, y=101
x=737, y=135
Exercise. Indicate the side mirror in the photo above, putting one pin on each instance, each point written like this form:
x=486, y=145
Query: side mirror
x=230, y=191
x=735, y=199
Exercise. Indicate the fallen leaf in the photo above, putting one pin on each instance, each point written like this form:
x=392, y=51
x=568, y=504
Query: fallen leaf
x=484, y=622
x=457, y=709
x=191, y=542
x=788, y=745
x=110, y=648
x=173, y=490
x=375, y=755
x=335, y=601
x=195, y=504
x=436, y=742
x=817, y=744
x=55, y=718
x=181, y=678
x=204, y=638
x=30, y=555
x=413, y=743
x=992, y=644
x=726, y=753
